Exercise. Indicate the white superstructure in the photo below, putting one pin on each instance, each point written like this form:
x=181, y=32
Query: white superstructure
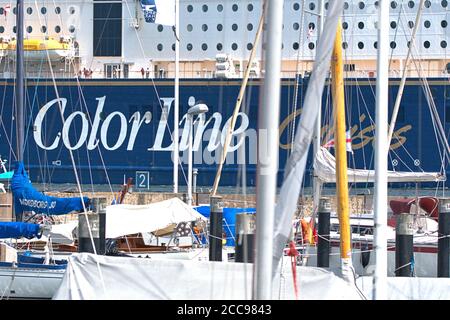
x=209, y=28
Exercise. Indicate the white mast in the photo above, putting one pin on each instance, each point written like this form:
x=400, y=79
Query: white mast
x=269, y=114
x=318, y=128
x=381, y=154
x=177, y=102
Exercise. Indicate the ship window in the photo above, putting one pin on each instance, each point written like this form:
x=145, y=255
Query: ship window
x=344, y=45
x=2, y=29
x=376, y=4
x=160, y=27
x=72, y=10
x=444, y=3
x=250, y=7
x=427, y=4
x=426, y=44
x=204, y=47
x=249, y=46
x=427, y=23
x=57, y=29
x=14, y=10
x=344, y=25
x=311, y=26
x=43, y=29
x=159, y=47
x=29, y=29
x=410, y=24
x=249, y=27
x=205, y=27
x=234, y=46
x=189, y=27
x=375, y=44
x=219, y=46
x=234, y=27
x=393, y=4
x=72, y=29
x=190, y=8
x=361, y=45
x=349, y=67
x=393, y=24
x=444, y=23
x=295, y=46
x=361, y=25
x=173, y=46
x=326, y=6
x=205, y=8
x=444, y=44
x=361, y=5
x=393, y=44
x=57, y=10
x=43, y=10
x=219, y=27
x=311, y=45
x=189, y=46
x=296, y=6
x=345, y=5
x=14, y=29
x=219, y=7
x=235, y=7
x=2, y=11
x=107, y=33
x=411, y=4
x=295, y=26
x=29, y=10
x=312, y=6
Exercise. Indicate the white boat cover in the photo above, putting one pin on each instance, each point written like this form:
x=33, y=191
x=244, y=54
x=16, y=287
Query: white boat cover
x=405, y=288
x=139, y=278
x=325, y=169
x=59, y=233
x=125, y=219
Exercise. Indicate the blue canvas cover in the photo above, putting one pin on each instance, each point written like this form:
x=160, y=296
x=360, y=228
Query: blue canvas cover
x=229, y=220
x=19, y=229
x=26, y=198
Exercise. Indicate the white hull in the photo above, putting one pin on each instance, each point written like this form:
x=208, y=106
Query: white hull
x=29, y=283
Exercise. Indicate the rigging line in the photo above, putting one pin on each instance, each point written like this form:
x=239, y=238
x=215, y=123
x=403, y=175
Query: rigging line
x=87, y=113
x=74, y=169
x=180, y=163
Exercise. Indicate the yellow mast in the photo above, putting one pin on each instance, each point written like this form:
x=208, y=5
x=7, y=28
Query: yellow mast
x=337, y=71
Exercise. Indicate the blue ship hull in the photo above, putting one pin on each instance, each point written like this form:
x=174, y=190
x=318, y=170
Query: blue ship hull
x=119, y=127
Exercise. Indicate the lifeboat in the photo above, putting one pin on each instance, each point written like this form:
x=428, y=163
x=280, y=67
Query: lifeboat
x=36, y=49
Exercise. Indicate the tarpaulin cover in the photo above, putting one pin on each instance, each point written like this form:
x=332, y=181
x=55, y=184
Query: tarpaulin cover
x=6, y=175
x=229, y=217
x=19, y=230
x=26, y=198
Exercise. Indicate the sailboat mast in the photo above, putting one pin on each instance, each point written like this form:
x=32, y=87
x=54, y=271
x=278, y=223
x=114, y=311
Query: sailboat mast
x=268, y=122
x=381, y=154
x=318, y=127
x=337, y=69
x=176, y=113
x=20, y=87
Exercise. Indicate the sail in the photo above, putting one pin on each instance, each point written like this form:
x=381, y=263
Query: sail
x=26, y=198
x=325, y=169
x=159, y=11
x=19, y=229
x=295, y=167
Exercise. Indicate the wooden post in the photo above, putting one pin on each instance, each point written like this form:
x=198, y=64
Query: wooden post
x=444, y=239
x=323, y=245
x=245, y=237
x=404, y=248
x=215, y=228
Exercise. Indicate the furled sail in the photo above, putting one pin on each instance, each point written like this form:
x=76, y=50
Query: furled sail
x=26, y=198
x=325, y=168
x=20, y=229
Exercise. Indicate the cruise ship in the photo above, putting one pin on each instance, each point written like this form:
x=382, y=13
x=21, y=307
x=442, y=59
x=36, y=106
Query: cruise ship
x=113, y=74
